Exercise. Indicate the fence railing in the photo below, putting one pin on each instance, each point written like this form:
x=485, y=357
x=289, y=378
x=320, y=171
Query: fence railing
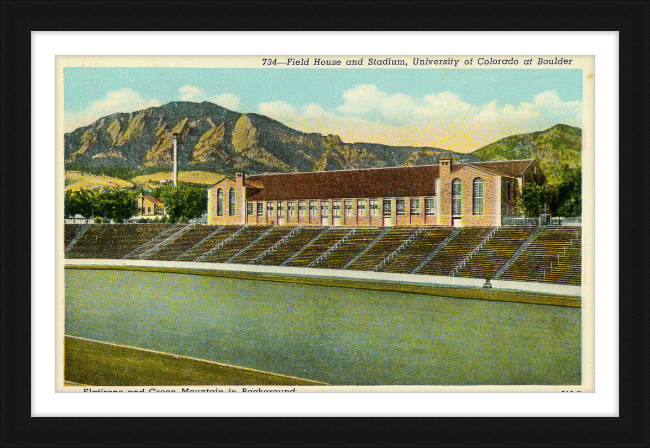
x=541, y=220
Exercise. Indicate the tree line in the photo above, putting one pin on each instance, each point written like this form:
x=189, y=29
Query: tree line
x=562, y=199
x=184, y=202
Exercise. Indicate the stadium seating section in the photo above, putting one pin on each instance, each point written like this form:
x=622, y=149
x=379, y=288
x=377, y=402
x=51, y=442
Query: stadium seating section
x=318, y=247
x=554, y=255
x=232, y=247
x=494, y=254
x=181, y=244
x=455, y=251
x=208, y=243
x=71, y=230
x=282, y=253
x=413, y=254
x=262, y=244
x=113, y=240
x=346, y=251
x=386, y=245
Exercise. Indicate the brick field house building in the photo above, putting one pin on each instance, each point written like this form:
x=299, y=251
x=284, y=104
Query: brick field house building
x=447, y=194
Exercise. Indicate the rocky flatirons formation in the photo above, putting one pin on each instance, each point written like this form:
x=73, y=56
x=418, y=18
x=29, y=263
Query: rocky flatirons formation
x=215, y=137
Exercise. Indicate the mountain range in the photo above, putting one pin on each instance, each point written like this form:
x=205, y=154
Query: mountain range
x=214, y=137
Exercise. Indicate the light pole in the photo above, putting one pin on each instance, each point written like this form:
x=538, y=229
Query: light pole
x=175, y=144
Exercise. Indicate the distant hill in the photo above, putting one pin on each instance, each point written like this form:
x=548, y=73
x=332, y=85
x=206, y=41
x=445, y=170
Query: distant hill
x=561, y=144
x=215, y=138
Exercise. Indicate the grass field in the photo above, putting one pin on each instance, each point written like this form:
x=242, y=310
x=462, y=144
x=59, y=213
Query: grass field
x=76, y=180
x=100, y=364
x=194, y=177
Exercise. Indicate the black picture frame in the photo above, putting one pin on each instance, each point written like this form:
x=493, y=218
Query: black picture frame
x=629, y=18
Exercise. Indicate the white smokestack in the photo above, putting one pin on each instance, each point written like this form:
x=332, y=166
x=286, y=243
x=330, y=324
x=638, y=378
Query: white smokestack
x=175, y=141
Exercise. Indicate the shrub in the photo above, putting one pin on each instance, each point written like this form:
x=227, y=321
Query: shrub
x=105, y=221
x=97, y=220
x=163, y=219
x=156, y=219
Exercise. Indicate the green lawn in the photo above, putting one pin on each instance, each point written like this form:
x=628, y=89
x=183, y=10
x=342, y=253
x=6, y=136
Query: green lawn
x=98, y=364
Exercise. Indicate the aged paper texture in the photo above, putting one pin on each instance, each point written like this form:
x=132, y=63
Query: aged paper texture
x=320, y=223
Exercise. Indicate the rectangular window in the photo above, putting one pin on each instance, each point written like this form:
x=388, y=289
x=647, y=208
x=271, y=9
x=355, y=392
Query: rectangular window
x=337, y=209
x=374, y=208
x=415, y=207
x=280, y=210
x=430, y=206
x=401, y=207
x=260, y=209
x=325, y=208
x=387, y=208
x=302, y=209
x=249, y=208
x=291, y=208
x=349, y=209
x=269, y=210
x=361, y=208
x=313, y=211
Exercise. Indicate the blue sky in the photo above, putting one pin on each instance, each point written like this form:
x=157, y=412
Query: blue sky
x=453, y=109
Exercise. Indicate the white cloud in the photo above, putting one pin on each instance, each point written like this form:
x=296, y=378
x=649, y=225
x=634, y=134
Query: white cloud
x=123, y=100
x=277, y=109
x=440, y=120
x=227, y=100
x=193, y=93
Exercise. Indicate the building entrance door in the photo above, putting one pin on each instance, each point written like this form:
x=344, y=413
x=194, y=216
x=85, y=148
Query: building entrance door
x=387, y=213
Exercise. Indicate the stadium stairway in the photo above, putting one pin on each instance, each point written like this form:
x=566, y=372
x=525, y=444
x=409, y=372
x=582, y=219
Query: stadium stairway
x=208, y=243
x=179, y=243
x=458, y=248
x=261, y=244
x=340, y=255
x=232, y=247
x=488, y=259
x=292, y=247
x=317, y=247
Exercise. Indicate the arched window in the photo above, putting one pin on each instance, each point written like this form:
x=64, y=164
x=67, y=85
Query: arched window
x=219, y=202
x=477, y=197
x=231, y=202
x=456, y=191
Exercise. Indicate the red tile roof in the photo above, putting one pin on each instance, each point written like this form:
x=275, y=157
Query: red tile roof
x=365, y=183
x=153, y=200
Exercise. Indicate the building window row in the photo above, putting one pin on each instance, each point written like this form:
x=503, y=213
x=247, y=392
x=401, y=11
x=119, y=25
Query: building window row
x=311, y=208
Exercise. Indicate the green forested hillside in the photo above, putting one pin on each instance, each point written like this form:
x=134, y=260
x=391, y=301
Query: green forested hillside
x=554, y=149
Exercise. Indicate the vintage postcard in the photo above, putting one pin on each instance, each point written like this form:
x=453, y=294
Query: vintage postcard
x=320, y=223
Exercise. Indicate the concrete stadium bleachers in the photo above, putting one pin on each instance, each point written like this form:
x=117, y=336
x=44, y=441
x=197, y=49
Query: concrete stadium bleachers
x=455, y=251
x=282, y=253
x=156, y=239
x=346, y=251
x=494, y=254
x=268, y=240
x=318, y=247
x=554, y=255
x=414, y=253
x=244, y=238
x=70, y=231
x=385, y=246
x=181, y=244
x=202, y=247
x=568, y=268
x=549, y=251
x=113, y=240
